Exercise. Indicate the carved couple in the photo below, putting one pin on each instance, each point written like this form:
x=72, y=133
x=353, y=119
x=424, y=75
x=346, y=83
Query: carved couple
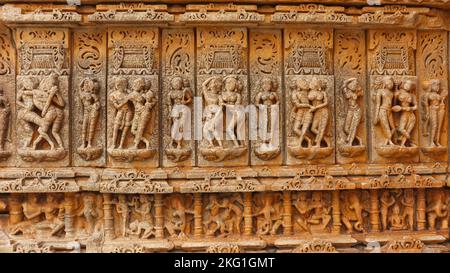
x=133, y=110
x=310, y=110
x=41, y=104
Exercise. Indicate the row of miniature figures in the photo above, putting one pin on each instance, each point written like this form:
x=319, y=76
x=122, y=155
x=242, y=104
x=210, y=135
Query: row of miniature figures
x=227, y=122
x=182, y=216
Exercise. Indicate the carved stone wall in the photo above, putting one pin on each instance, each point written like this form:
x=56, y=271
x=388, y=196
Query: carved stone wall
x=137, y=127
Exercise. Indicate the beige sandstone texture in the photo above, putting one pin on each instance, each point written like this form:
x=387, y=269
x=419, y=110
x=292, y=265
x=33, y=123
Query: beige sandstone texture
x=356, y=151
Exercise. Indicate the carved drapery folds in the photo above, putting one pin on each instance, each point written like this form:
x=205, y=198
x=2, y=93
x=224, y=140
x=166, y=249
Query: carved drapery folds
x=140, y=127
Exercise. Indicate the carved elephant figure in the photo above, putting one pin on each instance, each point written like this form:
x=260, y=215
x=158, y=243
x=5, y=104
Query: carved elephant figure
x=437, y=209
x=351, y=211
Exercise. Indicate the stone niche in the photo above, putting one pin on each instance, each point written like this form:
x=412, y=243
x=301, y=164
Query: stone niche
x=310, y=127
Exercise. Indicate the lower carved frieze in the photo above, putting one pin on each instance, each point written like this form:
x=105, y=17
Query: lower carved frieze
x=348, y=220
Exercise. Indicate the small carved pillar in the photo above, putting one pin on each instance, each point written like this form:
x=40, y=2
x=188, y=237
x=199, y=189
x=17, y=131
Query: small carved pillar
x=108, y=216
x=69, y=207
x=15, y=209
x=198, y=225
x=248, y=214
x=287, y=213
x=421, y=207
x=336, y=212
x=374, y=211
x=159, y=217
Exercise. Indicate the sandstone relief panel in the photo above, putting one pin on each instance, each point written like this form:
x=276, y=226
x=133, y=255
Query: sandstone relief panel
x=7, y=98
x=393, y=97
x=310, y=100
x=133, y=97
x=266, y=96
x=178, y=97
x=350, y=73
x=224, y=128
x=43, y=96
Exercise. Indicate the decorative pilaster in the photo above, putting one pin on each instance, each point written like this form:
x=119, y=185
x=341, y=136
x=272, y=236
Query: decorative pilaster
x=248, y=228
x=159, y=217
x=198, y=225
x=287, y=213
x=374, y=211
x=108, y=217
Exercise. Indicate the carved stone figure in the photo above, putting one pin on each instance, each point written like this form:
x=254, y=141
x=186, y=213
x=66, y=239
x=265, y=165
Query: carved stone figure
x=178, y=216
x=5, y=110
x=387, y=201
x=222, y=94
x=310, y=114
x=437, y=209
x=352, y=144
x=433, y=103
x=41, y=110
x=383, y=109
x=180, y=97
x=313, y=214
x=407, y=105
x=133, y=110
x=266, y=99
x=352, y=212
x=224, y=217
x=90, y=101
x=269, y=216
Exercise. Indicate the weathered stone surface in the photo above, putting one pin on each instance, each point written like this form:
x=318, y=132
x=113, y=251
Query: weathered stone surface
x=332, y=126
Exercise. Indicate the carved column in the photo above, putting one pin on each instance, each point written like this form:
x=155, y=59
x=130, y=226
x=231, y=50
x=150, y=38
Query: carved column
x=421, y=208
x=335, y=202
x=374, y=211
x=108, y=216
x=69, y=206
x=287, y=213
x=159, y=216
x=248, y=226
x=15, y=208
x=198, y=210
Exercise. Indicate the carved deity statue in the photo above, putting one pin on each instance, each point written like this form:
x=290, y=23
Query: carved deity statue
x=301, y=113
x=231, y=99
x=437, y=209
x=433, y=107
